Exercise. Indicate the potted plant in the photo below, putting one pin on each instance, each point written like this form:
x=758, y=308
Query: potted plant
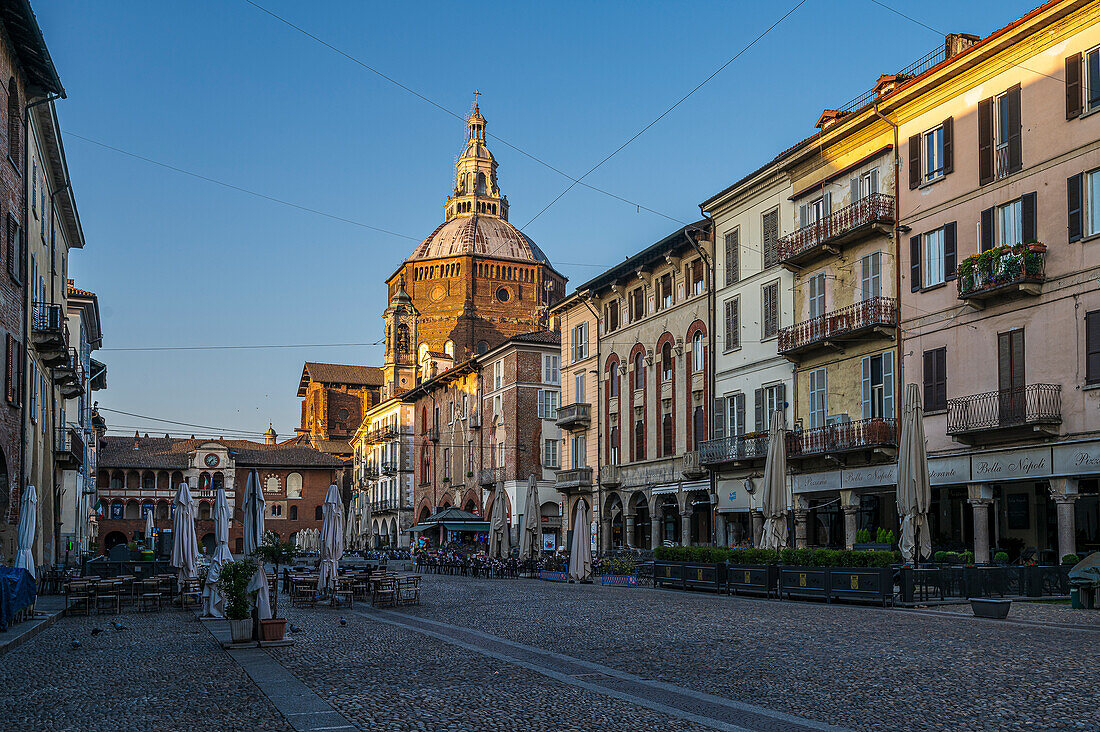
x=233, y=584
x=619, y=571
x=274, y=551
x=1000, y=558
x=469, y=473
x=1037, y=246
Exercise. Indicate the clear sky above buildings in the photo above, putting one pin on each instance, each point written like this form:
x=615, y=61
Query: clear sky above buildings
x=224, y=90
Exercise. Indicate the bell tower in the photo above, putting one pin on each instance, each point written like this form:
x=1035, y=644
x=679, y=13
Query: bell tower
x=476, y=190
x=399, y=371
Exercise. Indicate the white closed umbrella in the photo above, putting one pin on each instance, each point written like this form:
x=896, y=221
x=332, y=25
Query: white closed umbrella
x=213, y=599
x=914, y=489
x=580, y=550
x=28, y=522
x=775, y=499
x=185, y=546
x=500, y=539
x=332, y=539
x=529, y=545
x=149, y=528
x=253, y=536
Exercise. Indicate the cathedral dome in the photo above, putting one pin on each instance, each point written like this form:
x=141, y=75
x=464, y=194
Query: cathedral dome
x=481, y=236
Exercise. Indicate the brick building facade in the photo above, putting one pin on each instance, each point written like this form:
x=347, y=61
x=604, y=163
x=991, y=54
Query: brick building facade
x=27, y=75
x=335, y=398
x=139, y=474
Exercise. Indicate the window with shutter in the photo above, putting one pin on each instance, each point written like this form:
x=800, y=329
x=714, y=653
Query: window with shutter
x=1073, y=86
x=1090, y=79
x=914, y=263
x=985, y=141
x=719, y=420
x=770, y=298
x=733, y=273
x=1074, y=214
x=935, y=380
x=733, y=324
x=769, y=224
x=1092, y=347
x=1029, y=226
x=758, y=411
x=950, y=250
x=817, y=295
x=986, y=233
x=668, y=436
x=870, y=276
x=914, y=161
x=818, y=398
x=948, y=145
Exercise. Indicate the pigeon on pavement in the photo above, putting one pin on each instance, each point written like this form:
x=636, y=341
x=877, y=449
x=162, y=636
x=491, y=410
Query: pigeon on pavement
x=75, y=644
x=343, y=621
x=119, y=626
x=96, y=631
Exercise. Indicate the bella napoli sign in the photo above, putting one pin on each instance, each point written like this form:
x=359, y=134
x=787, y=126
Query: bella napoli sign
x=1010, y=465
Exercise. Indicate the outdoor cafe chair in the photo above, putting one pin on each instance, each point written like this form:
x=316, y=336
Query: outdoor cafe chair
x=408, y=590
x=384, y=592
x=109, y=593
x=77, y=595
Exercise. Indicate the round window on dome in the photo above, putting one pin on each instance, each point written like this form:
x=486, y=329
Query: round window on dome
x=503, y=294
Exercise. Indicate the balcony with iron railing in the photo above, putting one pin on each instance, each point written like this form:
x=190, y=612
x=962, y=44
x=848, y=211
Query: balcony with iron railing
x=1031, y=410
x=391, y=467
x=488, y=477
x=1002, y=273
x=831, y=330
x=574, y=416
x=69, y=448
x=371, y=472
x=747, y=448
x=389, y=504
x=573, y=479
x=872, y=213
x=71, y=384
x=843, y=437
x=49, y=332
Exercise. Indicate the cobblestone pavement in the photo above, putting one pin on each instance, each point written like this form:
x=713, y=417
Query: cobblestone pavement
x=863, y=668
x=1038, y=612
x=164, y=673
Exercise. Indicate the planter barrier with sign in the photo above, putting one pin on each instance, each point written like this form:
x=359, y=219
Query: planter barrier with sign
x=804, y=582
x=861, y=583
x=689, y=575
x=752, y=578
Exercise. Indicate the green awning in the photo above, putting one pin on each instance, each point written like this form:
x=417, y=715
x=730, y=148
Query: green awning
x=452, y=526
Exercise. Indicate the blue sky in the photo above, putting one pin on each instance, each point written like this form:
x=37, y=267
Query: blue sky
x=224, y=90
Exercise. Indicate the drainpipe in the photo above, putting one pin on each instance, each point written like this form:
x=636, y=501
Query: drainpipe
x=899, y=377
x=711, y=317
x=599, y=443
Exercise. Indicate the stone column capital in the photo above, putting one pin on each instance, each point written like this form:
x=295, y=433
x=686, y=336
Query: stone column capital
x=1063, y=499
x=985, y=502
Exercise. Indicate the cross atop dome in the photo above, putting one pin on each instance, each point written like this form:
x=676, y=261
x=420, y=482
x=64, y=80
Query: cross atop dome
x=476, y=191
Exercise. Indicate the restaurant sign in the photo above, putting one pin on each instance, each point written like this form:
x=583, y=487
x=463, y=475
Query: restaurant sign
x=870, y=476
x=814, y=482
x=1077, y=459
x=949, y=470
x=992, y=467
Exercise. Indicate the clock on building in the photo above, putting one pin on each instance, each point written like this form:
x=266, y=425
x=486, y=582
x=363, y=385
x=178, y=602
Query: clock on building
x=211, y=460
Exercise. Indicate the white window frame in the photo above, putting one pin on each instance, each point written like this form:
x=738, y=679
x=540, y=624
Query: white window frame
x=933, y=254
x=550, y=454
x=1001, y=218
x=548, y=403
x=816, y=297
x=771, y=400
x=733, y=427
x=698, y=363
x=870, y=276
x=1090, y=215
x=551, y=368
x=932, y=158
x=579, y=388
x=579, y=342
x=578, y=449
x=498, y=374
x=1087, y=82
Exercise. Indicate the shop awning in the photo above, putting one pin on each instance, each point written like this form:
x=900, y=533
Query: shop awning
x=451, y=526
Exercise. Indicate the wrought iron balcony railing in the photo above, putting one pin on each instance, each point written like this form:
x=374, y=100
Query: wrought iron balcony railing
x=69, y=447
x=839, y=325
x=876, y=208
x=389, y=504
x=1026, y=406
x=861, y=434
x=391, y=467
x=574, y=416
x=490, y=476
x=739, y=448
x=1002, y=272
x=573, y=479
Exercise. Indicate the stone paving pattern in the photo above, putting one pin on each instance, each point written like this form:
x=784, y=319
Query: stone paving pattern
x=165, y=673
x=1038, y=612
x=861, y=667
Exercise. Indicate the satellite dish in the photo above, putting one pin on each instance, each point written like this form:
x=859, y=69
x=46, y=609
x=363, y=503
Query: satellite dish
x=749, y=487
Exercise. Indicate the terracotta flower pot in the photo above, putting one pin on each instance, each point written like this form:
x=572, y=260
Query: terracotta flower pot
x=273, y=629
x=1037, y=247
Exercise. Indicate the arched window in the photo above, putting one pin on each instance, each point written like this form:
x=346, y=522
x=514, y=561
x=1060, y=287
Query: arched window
x=697, y=352
x=481, y=184
x=639, y=371
x=668, y=436
x=449, y=348
x=219, y=481
x=15, y=121
x=294, y=485
x=271, y=485
x=293, y=513
x=318, y=514
x=613, y=450
x=639, y=440
x=613, y=376
x=402, y=344
x=666, y=361
x=149, y=482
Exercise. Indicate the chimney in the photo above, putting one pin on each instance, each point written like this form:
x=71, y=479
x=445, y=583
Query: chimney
x=956, y=43
x=137, y=438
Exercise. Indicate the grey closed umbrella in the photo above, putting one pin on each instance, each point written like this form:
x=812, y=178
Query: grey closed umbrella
x=580, y=550
x=368, y=523
x=254, y=506
x=332, y=539
x=774, y=498
x=185, y=546
x=213, y=599
x=28, y=522
x=529, y=545
x=500, y=539
x=914, y=492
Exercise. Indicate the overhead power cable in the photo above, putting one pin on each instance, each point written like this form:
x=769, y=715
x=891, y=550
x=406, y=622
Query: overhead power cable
x=175, y=422
x=243, y=347
x=665, y=113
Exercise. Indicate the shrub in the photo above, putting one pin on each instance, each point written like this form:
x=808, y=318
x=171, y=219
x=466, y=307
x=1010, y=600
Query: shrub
x=940, y=557
x=1001, y=557
x=789, y=556
x=863, y=536
x=968, y=557
x=233, y=583
x=1070, y=559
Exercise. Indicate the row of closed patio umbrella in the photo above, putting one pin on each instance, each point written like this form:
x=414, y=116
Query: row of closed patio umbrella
x=913, y=492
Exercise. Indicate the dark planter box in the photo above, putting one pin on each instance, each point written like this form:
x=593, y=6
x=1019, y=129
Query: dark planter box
x=752, y=578
x=619, y=580
x=804, y=582
x=986, y=608
x=872, y=546
x=861, y=583
x=553, y=576
x=689, y=575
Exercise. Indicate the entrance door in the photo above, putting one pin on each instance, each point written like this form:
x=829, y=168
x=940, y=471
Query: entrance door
x=1012, y=406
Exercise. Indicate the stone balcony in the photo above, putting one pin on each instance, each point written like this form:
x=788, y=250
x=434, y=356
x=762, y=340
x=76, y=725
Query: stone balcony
x=575, y=416
x=574, y=479
x=1034, y=410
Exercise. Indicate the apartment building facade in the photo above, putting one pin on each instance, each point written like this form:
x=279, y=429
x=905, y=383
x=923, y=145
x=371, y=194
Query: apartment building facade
x=1001, y=215
x=754, y=303
x=652, y=358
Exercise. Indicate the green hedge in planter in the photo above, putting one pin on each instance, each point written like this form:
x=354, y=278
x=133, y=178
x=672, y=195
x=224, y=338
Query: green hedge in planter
x=799, y=557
